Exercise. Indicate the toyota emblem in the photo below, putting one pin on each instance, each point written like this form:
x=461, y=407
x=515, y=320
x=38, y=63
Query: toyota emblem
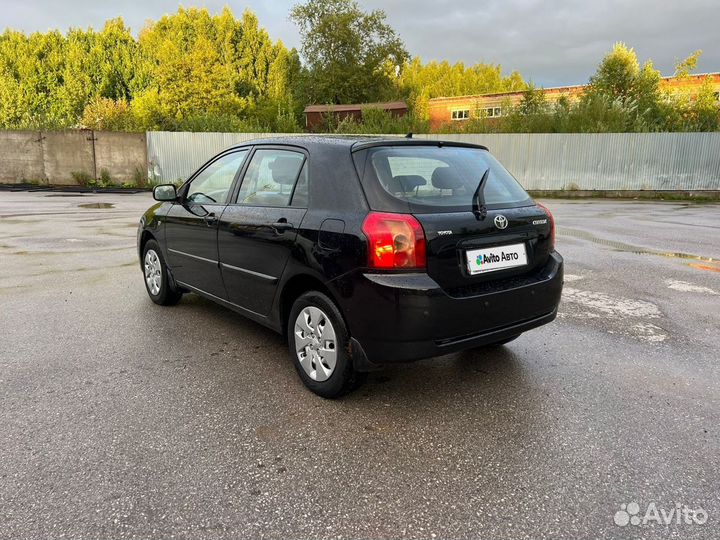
x=501, y=221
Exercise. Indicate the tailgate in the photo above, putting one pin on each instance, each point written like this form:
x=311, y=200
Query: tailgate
x=519, y=248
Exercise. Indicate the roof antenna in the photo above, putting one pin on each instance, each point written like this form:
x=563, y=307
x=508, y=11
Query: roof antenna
x=409, y=135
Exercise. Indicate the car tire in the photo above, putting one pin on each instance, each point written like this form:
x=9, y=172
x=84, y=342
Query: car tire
x=319, y=344
x=158, y=281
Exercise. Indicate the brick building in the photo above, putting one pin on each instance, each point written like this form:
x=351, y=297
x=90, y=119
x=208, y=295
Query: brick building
x=461, y=108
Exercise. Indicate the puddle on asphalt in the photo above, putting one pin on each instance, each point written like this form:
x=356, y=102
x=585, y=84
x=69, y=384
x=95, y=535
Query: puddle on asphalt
x=629, y=248
x=97, y=205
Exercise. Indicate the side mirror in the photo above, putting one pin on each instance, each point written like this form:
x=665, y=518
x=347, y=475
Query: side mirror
x=165, y=192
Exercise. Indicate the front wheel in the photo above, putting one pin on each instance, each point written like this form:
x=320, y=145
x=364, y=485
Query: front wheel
x=157, y=278
x=319, y=341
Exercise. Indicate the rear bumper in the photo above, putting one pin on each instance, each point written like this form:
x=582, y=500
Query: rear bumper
x=404, y=317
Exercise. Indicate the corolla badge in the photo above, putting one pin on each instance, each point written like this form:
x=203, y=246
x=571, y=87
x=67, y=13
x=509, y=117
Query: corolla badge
x=501, y=221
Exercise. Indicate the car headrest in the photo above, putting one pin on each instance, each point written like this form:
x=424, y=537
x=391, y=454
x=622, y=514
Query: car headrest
x=393, y=186
x=284, y=169
x=405, y=183
x=408, y=182
x=446, y=178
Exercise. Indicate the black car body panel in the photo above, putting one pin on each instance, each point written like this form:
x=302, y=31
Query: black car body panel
x=413, y=317
x=256, y=259
x=191, y=246
x=445, y=252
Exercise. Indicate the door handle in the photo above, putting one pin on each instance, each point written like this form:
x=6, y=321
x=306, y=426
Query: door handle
x=210, y=219
x=281, y=226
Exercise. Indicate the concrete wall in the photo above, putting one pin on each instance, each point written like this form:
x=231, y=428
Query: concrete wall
x=51, y=157
x=21, y=157
x=66, y=152
x=123, y=155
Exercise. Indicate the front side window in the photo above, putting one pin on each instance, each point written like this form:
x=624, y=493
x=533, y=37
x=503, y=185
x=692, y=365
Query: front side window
x=438, y=179
x=213, y=184
x=270, y=178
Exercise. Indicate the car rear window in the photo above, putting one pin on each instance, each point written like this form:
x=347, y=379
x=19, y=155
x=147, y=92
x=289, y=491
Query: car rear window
x=436, y=179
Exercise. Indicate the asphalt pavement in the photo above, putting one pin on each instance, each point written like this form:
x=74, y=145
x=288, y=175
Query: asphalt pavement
x=123, y=419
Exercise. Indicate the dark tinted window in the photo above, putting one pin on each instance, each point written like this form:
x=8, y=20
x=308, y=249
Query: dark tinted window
x=270, y=178
x=300, y=196
x=430, y=178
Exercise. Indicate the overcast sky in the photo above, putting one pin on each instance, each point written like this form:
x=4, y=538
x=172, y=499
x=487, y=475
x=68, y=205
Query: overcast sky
x=551, y=42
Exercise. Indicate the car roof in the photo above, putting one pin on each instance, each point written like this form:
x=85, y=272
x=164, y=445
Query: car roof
x=351, y=142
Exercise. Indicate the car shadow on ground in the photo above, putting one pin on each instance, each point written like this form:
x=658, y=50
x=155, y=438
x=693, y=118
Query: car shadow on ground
x=451, y=375
x=491, y=371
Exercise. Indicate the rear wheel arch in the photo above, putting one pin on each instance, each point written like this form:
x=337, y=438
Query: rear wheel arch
x=294, y=288
x=320, y=347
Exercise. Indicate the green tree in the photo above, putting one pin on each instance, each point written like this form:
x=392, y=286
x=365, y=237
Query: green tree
x=444, y=79
x=213, y=72
x=621, y=83
x=700, y=111
x=532, y=115
x=188, y=70
x=192, y=70
x=377, y=121
x=419, y=82
x=31, y=72
x=689, y=64
x=108, y=114
x=350, y=55
x=46, y=80
x=705, y=109
x=187, y=73
x=689, y=110
x=533, y=101
x=617, y=73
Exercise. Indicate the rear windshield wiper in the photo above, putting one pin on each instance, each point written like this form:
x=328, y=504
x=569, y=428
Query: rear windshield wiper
x=479, y=208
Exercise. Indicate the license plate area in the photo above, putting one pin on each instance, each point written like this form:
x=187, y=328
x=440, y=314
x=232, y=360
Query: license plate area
x=482, y=261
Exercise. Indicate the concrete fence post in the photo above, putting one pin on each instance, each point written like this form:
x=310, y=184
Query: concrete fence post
x=94, y=157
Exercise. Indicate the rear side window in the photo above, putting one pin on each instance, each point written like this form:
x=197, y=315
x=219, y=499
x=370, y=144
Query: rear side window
x=436, y=179
x=270, y=178
x=300, y=196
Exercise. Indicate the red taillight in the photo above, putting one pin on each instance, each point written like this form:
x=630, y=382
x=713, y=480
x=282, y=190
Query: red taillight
x=394, y=241
x=551, y=221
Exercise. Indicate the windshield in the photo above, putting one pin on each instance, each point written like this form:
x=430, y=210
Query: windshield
x=428, y=178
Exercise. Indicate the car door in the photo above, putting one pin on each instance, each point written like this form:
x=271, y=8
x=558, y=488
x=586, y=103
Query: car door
x=191, y=225
x=258, y=229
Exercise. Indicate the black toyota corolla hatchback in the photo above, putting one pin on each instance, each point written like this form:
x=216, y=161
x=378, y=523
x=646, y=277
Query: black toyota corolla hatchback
x=362, y=251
